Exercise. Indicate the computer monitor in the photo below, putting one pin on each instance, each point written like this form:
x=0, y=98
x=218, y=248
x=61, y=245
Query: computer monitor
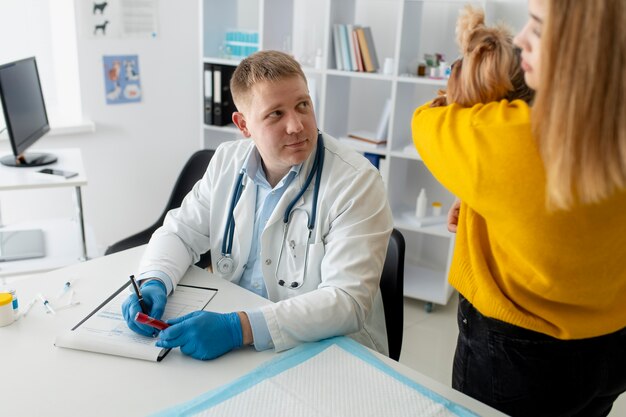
x=24, y=112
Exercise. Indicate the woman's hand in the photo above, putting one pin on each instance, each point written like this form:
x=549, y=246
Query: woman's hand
x=453, y=216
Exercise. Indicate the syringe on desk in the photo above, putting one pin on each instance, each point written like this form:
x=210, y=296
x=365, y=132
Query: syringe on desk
x=46, y=304
x=66, y=287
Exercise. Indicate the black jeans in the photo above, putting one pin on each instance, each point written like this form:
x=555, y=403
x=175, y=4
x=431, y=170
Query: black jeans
x=530, y=374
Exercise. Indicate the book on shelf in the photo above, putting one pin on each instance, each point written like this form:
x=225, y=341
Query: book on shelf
x=345, y=51
x=365, y=54
x=368, y=51
x=351, y=48
x=337, y=46
x=354, y=48
x=364, y=138
x=357, y=52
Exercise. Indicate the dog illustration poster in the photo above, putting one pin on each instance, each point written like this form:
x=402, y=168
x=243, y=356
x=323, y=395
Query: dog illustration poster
x=115, y=19
x=121, y=79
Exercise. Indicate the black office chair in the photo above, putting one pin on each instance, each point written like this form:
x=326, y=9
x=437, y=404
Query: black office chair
x=392, y=290
x=193, y=170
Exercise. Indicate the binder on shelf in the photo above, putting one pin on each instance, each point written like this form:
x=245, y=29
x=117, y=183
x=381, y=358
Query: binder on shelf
x=223, y=105
x=373, y=158
x=208, y=94
x=217, y=95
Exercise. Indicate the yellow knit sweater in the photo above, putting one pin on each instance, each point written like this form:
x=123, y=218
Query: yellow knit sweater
x=559, y=273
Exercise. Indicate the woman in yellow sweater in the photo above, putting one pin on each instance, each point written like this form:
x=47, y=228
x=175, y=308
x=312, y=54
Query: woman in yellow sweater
x=541, y=238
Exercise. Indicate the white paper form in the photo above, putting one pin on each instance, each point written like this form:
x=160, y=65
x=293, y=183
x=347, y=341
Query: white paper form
x=333, y=378
x=106, y=330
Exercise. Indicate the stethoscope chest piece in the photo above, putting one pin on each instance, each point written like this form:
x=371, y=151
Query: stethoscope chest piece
x=225, y=265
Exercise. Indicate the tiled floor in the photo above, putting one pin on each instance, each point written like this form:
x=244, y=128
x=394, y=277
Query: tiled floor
x=430, y=340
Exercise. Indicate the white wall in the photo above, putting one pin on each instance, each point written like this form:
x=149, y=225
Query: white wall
x=137, y=151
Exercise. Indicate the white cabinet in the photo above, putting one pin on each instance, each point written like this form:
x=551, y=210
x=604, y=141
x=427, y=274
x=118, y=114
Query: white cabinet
x=345, y=101
x=65, y=239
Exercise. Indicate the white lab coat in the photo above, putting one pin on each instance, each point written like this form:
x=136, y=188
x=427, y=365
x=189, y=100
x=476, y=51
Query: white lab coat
x=340, y=294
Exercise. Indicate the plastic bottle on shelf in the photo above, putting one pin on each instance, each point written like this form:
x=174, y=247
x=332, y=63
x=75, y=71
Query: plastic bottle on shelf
x=437, y=207
x=444, y=70
x=422, y=201
x=318, y=59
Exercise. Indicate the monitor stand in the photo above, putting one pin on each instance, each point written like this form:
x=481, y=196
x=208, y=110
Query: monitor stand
x=28, y=160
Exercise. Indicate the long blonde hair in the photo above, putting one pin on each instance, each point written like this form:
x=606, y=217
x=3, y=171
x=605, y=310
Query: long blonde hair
x=579, y=113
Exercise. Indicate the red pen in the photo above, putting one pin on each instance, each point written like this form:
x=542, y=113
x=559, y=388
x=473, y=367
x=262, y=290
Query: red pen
x=150, y=321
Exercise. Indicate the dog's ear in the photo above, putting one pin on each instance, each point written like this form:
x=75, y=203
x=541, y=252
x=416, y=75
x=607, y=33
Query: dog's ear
x=469, y=20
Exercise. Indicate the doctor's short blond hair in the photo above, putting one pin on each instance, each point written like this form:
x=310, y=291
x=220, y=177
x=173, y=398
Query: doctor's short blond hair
x=262, y=66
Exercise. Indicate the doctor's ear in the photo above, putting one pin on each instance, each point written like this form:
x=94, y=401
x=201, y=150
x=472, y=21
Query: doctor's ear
x=240, y=121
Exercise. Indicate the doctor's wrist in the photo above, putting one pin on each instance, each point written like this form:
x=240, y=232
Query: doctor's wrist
x=246, y=329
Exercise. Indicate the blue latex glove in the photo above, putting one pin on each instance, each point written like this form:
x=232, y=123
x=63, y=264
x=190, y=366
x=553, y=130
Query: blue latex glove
x=203, y=334
x=154, y=297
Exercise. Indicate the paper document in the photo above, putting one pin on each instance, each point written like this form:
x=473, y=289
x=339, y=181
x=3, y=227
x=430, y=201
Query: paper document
x=334, y=378
x=106, y=331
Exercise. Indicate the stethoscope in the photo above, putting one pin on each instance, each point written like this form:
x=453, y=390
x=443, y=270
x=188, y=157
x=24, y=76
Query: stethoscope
x=226, y=264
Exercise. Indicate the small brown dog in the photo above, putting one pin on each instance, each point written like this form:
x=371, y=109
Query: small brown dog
x=489, y=68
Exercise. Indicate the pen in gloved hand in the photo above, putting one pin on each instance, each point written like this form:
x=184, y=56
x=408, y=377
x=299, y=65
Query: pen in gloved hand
x=144, y=309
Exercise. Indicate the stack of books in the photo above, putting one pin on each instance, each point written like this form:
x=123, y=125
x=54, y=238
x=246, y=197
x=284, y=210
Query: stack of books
x=354, y=48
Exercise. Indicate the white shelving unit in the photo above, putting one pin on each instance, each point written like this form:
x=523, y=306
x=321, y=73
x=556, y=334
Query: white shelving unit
x=66, y=239
x=351, y=101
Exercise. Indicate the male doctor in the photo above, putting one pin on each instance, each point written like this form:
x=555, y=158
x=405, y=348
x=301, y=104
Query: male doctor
x=254, y=208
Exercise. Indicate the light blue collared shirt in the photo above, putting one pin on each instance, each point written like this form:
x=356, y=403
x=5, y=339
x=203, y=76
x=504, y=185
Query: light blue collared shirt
x=266, y=200
x=252, y=278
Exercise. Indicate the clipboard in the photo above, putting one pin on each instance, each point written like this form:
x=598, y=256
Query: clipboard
x=104, y=330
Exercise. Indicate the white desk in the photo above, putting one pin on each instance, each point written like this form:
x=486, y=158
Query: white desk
x=39, y=379
x=12, y=178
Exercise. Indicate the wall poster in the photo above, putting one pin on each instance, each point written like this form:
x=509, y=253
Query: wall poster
x=121, y=79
